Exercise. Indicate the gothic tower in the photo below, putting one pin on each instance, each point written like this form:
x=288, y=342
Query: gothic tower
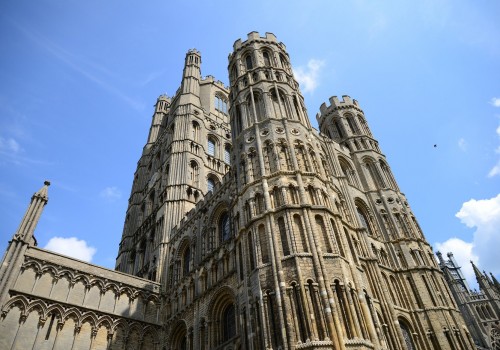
x=186, y=156
x=285, y=196
x=308, y=242
x=480, y=309
x=247, y=229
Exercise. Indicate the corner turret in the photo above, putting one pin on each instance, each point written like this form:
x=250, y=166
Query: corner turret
x=22, y=238
x=191, y=75
x=162, y=108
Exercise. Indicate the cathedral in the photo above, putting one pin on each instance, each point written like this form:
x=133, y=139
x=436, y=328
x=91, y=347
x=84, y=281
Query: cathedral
x=480, y=309
x=247, y=229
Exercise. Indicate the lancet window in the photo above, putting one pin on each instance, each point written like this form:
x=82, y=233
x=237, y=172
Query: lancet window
x=194, y=173
x=211, y=145
x=321, y=227
x=224, y=227
x=256, y=103
x=227, y=153
x=283, y=236
x=301, y=239
x=284, y=157
x=264, y=244
x=195, y=134
x=348, y=172
x=220, y=103
x=377, y=180
x=267, y=58
x=248, y=62
x=351, y=121
x=364, y=219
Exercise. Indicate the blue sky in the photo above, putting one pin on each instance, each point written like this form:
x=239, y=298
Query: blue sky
x=78, y=81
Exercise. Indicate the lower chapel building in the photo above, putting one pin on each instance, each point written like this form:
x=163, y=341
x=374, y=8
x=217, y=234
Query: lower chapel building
x=246, y=229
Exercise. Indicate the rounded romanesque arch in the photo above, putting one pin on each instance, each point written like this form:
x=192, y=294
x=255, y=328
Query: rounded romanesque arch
x=222, y=316
x=406, y=330
x=178, y=337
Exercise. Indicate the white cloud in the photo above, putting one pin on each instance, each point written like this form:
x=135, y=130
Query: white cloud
x=9, y=145
x=462, y=252
x=484, y=216
x=495, y=170
x=72, y=246
x=480, y=213
x=111, y=193
x=495, y=101
x=462, y=144
x=308, y=77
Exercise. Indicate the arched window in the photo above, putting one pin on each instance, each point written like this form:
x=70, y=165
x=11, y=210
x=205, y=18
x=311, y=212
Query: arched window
x=196, y=131
x=267, y=59
x=227, y=153
x=210, y=184
x=269, y=158
x=224, y=227
x=352, y=124
x=277, y=197
x=338, y=238
x=311, y=191
x=406, y=335
x=251, y=251
x=220, y=103
x=363, y=124
x=344, y=309
x=249, y=62
x=283, y=61
x=363, y=218
x=378, y=181
x=300, y=239
x=293, y=196
x=259, y=107
x=234, y=73
x=298, y=108
x=259, y=203
x=388, y=174
x=186, y=258
x=211, y=142
x=238, y=120
x=283, y=236
x=228, y=323
x=194, y=173
x=320, y=224
x=349, y=174
x=264, y=244
x=337, y=130
x=254, y=163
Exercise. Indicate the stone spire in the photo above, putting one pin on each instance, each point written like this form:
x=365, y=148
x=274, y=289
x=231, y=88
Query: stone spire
x=32, y=215
x=495, y=282
x=22, y=238
x=480, y=278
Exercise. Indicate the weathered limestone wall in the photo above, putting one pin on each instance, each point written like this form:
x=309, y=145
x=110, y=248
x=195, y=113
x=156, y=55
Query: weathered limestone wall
x=61, y=303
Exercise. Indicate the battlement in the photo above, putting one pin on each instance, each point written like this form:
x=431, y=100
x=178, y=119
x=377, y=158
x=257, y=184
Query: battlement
x=163, y=97
x=193, y=51
x=211, y=79
x=255, y=36
x=335, y=104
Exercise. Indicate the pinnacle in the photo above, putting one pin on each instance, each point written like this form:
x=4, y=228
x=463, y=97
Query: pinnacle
x=43, y=192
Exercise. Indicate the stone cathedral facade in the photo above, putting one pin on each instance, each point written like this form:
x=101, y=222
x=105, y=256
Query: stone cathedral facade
x=480, y=309
x=246, y=229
